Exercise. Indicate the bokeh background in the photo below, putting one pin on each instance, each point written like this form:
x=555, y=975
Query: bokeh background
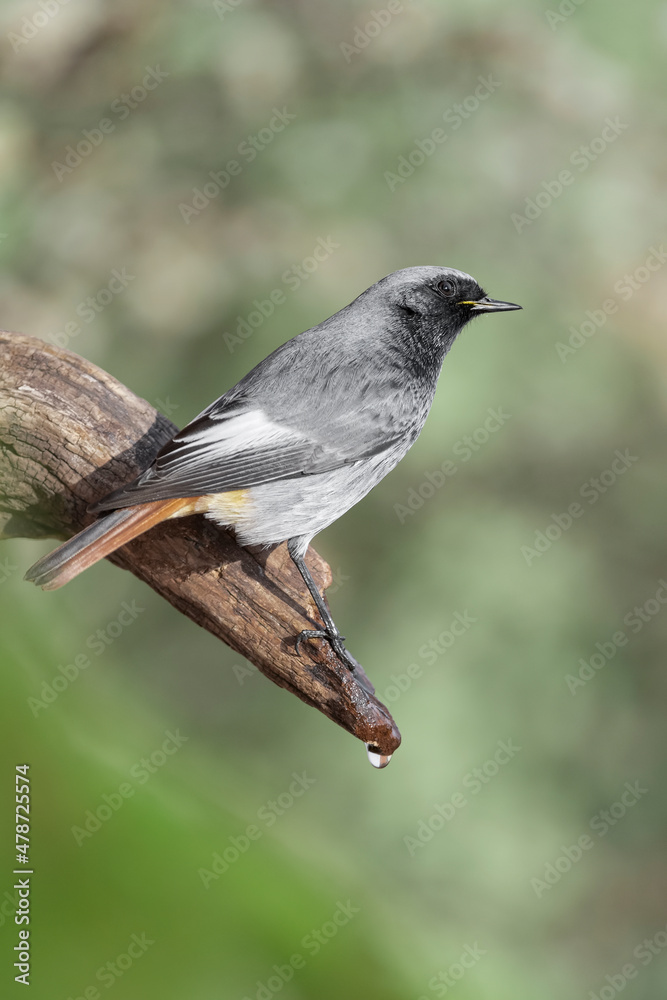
x=492, y=894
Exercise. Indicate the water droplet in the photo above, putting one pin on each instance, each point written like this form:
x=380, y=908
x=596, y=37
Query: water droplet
x=376, y=758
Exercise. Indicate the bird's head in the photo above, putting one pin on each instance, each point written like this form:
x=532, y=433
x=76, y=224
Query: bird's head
x=438, y=298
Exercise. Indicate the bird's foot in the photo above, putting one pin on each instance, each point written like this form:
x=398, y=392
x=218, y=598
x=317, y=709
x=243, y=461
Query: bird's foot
x=335, y=638
x=336, y=641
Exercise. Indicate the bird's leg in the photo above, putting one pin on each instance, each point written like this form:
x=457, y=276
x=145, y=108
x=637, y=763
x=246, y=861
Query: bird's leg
x=330, y=631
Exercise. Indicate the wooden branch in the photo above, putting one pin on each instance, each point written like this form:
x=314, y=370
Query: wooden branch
x=69, y=434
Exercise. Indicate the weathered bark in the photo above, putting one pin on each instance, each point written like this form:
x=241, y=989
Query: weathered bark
x=69, y=434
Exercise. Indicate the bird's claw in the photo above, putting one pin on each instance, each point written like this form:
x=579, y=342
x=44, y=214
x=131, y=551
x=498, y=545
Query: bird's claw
x=335, y=638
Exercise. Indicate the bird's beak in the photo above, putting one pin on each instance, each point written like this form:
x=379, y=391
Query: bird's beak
x=487, y=305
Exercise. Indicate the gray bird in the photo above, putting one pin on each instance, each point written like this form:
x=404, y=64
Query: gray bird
x=303, y=436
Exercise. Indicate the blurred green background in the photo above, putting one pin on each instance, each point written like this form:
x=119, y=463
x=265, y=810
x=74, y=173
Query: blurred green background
x=511, y=882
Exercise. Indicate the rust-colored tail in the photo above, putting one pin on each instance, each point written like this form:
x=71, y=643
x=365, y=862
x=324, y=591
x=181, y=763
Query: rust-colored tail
x=100, y=539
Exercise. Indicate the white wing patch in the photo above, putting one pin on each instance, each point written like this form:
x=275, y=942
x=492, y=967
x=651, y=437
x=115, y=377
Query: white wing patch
x=236, y=450
x=247, y=431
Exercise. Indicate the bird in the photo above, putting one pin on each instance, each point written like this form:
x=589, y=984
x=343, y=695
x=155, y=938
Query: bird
x=301, y=438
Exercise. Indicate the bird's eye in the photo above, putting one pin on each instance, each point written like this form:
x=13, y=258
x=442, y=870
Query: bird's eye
x=447, y=287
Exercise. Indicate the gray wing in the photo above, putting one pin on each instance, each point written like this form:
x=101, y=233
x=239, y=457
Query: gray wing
x=275, y=425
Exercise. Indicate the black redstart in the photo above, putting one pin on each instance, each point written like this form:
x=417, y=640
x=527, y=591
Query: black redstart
x=303, y=436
